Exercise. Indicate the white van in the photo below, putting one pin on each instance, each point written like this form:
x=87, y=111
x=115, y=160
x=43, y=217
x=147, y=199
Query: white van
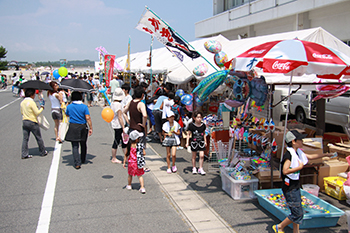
x=302, y=106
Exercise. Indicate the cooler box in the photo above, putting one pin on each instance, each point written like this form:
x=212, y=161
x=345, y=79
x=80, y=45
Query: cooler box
x=239, y=189
x=334, y=187
x=313, y=218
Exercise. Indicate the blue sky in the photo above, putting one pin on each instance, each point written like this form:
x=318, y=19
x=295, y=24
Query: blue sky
x=49, y=30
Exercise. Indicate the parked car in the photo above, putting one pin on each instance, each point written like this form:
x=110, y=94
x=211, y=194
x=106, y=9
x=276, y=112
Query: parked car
x=337, y=109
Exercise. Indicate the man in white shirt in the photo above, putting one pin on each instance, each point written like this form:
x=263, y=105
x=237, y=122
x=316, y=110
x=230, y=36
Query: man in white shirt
x=114, y=83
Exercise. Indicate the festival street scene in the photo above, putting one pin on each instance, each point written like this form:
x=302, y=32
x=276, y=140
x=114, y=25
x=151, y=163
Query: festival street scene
x=196, y=116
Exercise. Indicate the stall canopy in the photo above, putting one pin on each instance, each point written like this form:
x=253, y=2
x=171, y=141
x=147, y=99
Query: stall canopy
x=165, y=61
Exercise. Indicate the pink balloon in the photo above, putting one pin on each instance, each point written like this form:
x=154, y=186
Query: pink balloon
x=189, y=107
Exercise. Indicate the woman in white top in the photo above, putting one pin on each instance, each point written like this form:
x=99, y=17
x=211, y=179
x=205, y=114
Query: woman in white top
x=126, y=89
x=56, y=111
x=117, y=124
x=167, y=103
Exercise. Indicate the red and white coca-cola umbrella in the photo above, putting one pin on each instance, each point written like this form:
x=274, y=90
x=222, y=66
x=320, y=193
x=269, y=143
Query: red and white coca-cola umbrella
x=294, y=57
x=297, y=56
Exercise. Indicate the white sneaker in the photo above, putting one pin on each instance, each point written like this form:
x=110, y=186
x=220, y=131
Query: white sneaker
x=194, y=171
x=201, y=171
x=128, y=187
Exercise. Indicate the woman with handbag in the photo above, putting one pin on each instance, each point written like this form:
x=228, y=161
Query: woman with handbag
x=30, y=112
x=78, y=131
x=171, y=132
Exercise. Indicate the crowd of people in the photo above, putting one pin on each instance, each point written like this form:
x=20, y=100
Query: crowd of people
x=142, y=113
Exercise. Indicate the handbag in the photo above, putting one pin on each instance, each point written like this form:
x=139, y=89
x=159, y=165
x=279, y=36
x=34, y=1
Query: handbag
x=169, y=141
x=43, y=123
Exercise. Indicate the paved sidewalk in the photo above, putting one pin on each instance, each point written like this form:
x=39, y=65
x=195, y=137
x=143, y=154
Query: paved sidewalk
x=200, y=216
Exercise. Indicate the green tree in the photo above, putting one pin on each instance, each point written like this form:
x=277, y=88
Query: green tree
x=3, y=53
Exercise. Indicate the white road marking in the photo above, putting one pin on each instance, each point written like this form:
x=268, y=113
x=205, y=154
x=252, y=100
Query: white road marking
x=46, y=206
x=9, y=103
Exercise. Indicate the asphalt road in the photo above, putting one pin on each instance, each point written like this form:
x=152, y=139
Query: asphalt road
x=93, y=199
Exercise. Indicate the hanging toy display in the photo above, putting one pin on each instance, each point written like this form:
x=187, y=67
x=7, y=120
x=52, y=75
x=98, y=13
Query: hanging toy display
x=180, y=93
x=241, y=89
x=200, y=70
x=274, y=146
x=272, y=125
x=259, y=90
x=209, y=84
x=220, y=59
x=213, y=46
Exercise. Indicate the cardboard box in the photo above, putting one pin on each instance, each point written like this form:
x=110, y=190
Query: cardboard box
x=331, y=168
x=266, y=175
x=342, y=150
x=313, y=142
x=335, y=137
x=313, y=150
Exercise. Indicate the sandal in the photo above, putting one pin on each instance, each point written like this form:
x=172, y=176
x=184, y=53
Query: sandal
x=116, y=161
x=275, y=229
x=59, y=140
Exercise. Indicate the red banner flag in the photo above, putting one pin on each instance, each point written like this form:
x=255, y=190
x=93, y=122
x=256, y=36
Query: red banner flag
x=109, y=65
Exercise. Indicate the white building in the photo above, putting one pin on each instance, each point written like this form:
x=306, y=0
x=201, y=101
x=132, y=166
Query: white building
x=237, y=19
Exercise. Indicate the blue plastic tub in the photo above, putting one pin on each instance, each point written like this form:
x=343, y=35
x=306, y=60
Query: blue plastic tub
x=312, y=218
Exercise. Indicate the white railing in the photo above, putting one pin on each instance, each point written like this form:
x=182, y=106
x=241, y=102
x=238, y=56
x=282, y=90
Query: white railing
x=254, y=6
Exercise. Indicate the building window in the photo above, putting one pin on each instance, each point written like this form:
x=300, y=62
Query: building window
x=230, y=4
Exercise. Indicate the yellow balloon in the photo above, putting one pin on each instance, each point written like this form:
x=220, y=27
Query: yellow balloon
x=107, y=114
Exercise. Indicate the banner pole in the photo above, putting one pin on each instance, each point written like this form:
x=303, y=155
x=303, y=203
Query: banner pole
x=150, y=61
x=181, y=38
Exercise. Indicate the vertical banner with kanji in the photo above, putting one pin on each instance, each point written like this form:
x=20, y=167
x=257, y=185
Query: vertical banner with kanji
x=150, y=23
x=109, y=65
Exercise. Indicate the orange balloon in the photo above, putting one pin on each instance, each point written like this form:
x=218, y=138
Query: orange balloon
x=107, y=114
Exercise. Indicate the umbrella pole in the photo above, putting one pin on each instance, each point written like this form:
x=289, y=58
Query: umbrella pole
x=286, y=119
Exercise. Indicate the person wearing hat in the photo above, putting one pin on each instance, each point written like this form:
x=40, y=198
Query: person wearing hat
x=171, y=132
x=134, y=149
x=118, y=123
x=292, y=162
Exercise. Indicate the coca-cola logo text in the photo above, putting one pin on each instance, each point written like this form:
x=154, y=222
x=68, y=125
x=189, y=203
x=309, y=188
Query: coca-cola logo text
x=322, y=56
x=281, y=66
x=256, y=51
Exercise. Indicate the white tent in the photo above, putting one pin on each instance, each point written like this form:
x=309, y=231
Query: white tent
x=165, y=61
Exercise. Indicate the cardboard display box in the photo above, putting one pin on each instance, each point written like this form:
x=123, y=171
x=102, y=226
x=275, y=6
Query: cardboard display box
x=334, y=137
x=331, y=168
x=266, y=175
x=343, y=150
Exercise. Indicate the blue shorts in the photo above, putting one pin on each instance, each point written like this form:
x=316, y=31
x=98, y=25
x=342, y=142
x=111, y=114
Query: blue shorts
x=293, y=199
x=150, y=115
